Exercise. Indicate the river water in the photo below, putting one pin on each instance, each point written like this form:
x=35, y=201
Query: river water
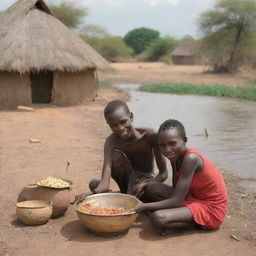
x=230, y=124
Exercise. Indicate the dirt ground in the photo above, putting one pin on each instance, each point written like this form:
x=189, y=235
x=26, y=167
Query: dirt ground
x=76, y=134
x=144, y=72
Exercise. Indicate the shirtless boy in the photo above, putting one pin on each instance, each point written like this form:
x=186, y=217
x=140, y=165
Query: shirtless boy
x=129, y=154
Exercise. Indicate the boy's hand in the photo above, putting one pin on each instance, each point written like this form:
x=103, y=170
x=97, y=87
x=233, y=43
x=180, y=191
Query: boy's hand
x=140, y=207
x=138, y=190
x=80, y=197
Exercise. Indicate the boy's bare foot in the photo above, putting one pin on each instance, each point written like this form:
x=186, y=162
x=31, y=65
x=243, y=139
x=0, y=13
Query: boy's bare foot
x=166, y=232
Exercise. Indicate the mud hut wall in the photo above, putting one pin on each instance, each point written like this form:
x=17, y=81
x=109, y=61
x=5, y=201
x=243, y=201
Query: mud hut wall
x=15, y=90
x=73, y=88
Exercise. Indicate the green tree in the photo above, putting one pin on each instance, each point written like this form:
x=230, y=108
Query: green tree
x=94, y=31
x=159, y=48
x=111, y=48
x=228, y=29
x=187, y=38
x=69, y=13
x=138, y=39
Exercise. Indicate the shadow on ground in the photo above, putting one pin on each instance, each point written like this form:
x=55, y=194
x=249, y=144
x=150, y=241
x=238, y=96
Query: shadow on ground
x=149, y=233
x=74, y=231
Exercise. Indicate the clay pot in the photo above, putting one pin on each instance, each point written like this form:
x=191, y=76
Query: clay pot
x=60, y=198
x=34, y=212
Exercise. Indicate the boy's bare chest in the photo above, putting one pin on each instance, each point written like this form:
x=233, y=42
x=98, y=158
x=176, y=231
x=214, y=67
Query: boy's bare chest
x=136, y=148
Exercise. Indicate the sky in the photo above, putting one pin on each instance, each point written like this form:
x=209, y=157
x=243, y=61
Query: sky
x=175, y=18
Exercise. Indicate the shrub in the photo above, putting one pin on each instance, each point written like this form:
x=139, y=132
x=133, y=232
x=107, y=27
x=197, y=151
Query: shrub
x=111, y=48
x=159, y=48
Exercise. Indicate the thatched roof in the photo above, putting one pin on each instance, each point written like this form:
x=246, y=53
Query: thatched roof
x=185, y=49
x=32, y=39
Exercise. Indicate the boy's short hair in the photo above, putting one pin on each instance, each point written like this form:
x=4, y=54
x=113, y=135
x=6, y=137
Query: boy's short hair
x=113, y=105
x=171, y=124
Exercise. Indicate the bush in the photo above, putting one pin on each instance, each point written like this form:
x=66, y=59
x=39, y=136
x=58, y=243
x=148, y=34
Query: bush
x=159, y=48
x=111, y=48
x=242, y=92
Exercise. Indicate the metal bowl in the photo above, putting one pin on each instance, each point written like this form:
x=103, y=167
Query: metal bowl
x=108, y=224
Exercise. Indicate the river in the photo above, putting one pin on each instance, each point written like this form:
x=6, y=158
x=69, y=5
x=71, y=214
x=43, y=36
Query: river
x=230, y=124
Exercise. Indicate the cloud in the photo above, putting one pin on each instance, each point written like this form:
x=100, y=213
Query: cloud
x=172, y=2
x=170, y=17
x=111, y=2
x=146, y=2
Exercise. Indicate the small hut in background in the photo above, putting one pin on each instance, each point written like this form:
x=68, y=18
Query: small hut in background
x=185, y=54
x=42, y=61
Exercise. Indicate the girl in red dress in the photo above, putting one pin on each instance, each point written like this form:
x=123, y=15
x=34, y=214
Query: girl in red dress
x=198, y=195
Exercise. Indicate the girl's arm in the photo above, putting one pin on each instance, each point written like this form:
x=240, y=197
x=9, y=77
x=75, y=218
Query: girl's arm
x=189, y=165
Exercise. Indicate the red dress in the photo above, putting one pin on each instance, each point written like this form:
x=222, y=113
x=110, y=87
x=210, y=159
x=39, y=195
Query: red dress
x=207, y=195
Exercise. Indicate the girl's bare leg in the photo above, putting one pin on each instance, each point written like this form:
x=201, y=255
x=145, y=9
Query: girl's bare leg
x=156, y=191
x=169, y=219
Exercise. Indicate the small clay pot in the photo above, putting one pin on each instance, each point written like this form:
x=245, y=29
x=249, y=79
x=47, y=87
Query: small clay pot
x=34, y=212
x=60, y=198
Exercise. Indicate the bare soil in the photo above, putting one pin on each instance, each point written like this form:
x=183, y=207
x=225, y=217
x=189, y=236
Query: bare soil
x=76, y=134
x=144, y=72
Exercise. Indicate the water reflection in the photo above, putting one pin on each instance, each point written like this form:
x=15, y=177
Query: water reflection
x=230, y=123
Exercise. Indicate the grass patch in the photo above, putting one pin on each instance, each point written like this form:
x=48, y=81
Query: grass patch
x=241, y=92
x=105, y=84
x=112, y=71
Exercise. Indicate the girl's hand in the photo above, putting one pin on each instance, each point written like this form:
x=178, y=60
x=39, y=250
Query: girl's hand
x=140, y=207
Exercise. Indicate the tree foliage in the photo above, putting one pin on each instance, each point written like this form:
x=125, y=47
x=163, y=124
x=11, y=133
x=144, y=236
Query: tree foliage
x=228, y=29
x=94, y=31
x=187, y=38
x=159, y=48
x=69, y=13
x=138, y=39
x=111, y=48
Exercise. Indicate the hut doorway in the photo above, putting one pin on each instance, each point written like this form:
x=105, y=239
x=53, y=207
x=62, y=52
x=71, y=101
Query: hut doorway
x=41, y=86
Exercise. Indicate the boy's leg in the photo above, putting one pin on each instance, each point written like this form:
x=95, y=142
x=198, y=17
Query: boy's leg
x=155, y=191
x=168, y=219
x=94, y=184
x=121, y=170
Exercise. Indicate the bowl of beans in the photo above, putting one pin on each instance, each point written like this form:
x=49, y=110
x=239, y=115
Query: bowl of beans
x=107, y=213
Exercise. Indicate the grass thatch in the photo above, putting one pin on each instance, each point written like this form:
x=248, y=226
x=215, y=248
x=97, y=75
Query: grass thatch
x=32, y=39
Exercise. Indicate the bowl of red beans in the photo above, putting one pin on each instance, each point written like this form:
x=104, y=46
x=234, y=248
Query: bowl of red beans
x=107, y=213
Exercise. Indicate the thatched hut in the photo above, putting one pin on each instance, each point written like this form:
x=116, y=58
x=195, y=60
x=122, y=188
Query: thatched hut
x=185, y=54
x=42, y=61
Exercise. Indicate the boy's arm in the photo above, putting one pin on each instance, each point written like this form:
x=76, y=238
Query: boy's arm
x=160, y=161
x=107, y=165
